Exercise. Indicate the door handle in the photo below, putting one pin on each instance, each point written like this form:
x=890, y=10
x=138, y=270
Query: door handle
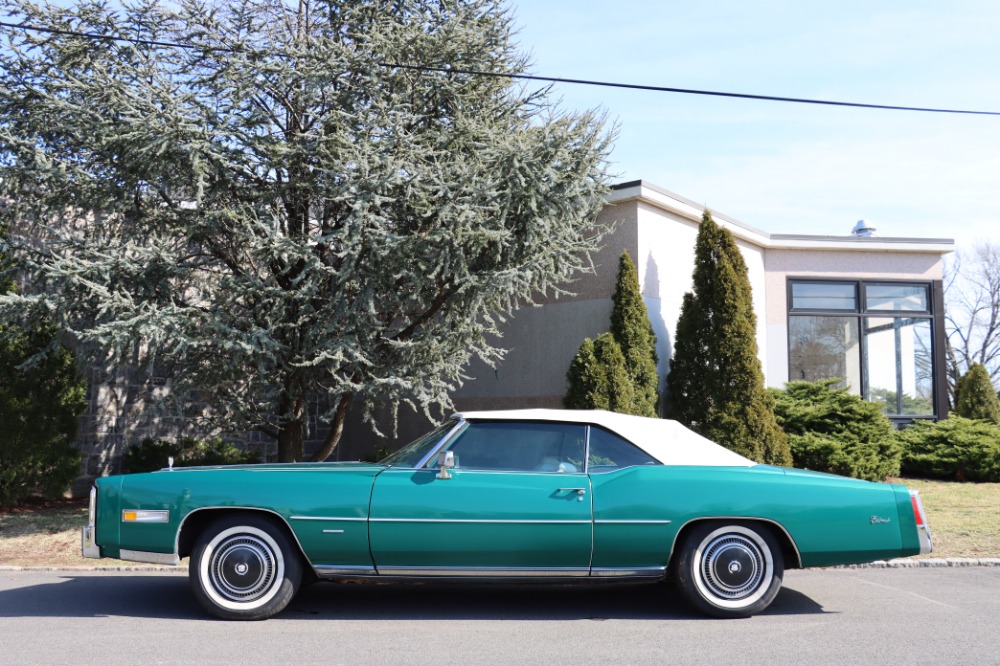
x=578, y=491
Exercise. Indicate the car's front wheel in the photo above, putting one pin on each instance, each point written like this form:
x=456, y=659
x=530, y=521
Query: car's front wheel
x=243, y=567
x=730, y=570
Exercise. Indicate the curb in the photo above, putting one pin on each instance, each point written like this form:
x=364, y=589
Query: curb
x=178, y=569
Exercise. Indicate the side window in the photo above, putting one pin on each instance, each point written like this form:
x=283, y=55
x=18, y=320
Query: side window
x=520, y=447
x=609, y=452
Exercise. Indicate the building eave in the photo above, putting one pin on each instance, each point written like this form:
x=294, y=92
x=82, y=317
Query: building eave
x=652, y=195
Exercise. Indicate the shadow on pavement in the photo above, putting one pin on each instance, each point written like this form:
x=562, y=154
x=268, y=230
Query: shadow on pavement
x=169, y=597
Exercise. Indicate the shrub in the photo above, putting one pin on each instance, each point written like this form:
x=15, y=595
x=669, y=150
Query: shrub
x=977, y=399
x=831, y=430
x=598, y=378
x=956, y=448
x=39, y=406
x=152, y=454
x=617, y=371
x=375, y=454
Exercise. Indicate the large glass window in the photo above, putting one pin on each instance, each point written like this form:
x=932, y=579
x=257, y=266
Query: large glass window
x=825, y=347
x=898, y=365
x=880, y=345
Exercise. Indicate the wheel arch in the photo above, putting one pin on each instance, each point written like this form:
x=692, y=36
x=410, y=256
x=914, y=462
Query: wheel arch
x=195, y=522
x=789, y=551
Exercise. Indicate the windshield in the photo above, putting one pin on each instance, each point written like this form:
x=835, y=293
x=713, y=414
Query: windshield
x=413, y=453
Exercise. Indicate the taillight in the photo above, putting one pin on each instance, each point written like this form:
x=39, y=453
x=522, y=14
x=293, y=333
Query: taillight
x=918, y=513
x=920, y=518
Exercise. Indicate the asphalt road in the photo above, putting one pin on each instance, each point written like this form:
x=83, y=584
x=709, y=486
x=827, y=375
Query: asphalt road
x=848, y=616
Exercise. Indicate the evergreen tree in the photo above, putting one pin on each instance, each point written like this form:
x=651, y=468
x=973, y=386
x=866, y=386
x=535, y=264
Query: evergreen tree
x=599, y=379
x=272, y=199
x=716, y=384
x=41, y=396
x=977, y=399
x=633, y=332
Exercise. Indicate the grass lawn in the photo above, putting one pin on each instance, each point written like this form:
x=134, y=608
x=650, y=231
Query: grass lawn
x=964, y=519
x=46, y=534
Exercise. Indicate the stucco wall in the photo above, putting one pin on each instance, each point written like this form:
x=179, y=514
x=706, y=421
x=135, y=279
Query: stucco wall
x=542, y=340
x=665, y=263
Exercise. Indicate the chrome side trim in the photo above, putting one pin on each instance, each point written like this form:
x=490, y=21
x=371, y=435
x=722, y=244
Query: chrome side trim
x=498, y=572
x=340, y=518
x=752, y=519
x=150, y=558
x=636, y=572
x=481, y=521
x=633, y=522
x=338, y=570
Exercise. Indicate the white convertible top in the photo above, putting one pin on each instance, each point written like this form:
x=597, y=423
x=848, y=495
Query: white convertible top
x=667, y=441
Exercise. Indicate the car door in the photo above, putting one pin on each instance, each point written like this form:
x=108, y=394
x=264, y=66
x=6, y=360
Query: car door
x=634, y=526
x=517, y=503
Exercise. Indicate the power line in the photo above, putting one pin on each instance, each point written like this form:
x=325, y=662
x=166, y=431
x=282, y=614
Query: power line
x=96, y=35
x=530, y=77
x=688, y=91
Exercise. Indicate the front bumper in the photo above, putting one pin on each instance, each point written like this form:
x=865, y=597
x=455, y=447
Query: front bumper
x=89, y=536
x=90, y=548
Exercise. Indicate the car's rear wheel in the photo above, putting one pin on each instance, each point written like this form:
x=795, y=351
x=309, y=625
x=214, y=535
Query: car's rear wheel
x=731, y=569
x=243, y=567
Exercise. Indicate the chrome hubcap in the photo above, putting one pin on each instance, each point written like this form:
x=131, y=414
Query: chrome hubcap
x=243, y=568
x=732, y=566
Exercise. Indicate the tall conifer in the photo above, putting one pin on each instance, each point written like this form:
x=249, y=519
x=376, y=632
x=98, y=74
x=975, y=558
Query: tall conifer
x=634, y=334
x=716, y=383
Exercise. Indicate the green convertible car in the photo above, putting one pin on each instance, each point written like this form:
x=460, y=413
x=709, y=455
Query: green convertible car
x=543, y=495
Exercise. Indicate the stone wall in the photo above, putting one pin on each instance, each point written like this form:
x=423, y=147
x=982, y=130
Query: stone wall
x=124, y=407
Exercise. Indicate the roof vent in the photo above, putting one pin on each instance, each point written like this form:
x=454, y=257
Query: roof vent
x=862, y=230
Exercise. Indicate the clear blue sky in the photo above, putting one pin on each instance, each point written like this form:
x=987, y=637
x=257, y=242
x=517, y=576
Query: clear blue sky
x=788, y=168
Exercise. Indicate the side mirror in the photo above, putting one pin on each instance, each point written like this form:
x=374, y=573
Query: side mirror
x=446, y=460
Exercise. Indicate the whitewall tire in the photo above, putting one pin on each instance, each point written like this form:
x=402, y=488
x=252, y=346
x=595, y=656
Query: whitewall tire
x=243, y=567
x=730, y=569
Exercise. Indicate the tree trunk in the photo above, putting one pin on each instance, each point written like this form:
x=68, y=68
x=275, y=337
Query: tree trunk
x=336, y=429
x=291, y=435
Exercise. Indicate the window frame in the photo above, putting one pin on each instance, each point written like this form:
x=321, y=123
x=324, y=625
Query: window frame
x=934, y=314
x=430, y=461
x=851, y=283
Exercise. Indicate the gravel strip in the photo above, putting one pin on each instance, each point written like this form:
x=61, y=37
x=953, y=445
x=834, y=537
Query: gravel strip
x=930, y=562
